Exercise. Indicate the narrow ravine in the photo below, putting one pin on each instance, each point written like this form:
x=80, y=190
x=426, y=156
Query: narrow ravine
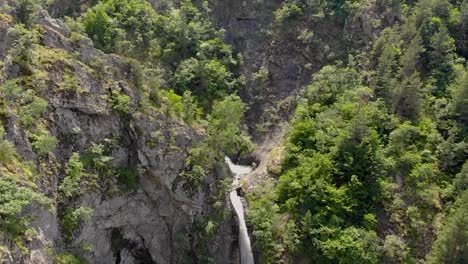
x=244, y=240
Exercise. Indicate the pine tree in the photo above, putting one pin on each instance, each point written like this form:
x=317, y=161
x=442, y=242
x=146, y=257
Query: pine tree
x=463, y=29
x=451, y=245
x=411, y=58
x=407, y=98
x=441, y=58
x=460, y=97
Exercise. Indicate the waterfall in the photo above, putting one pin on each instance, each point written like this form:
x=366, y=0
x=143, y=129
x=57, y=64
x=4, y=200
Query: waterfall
x=244, y=240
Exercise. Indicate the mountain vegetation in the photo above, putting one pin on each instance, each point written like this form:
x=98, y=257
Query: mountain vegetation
x=377, y=149
x=114, y=103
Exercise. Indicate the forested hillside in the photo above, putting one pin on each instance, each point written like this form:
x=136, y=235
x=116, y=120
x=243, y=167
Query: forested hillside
x=116, y=117
x=375, y=165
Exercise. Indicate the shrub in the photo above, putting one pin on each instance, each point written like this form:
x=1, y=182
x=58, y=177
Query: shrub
x=73, y=219
x=7, y=151
x=67, y=258
x=31, y=112
x=121, y=102
x=71, y=83
x=174, y=102
x=44, y=143
x=14, y=199
x=128, y=178
x=74, y=173
x=287, y=11
x=23, y=48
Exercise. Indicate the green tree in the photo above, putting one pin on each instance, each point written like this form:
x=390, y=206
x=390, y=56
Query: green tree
x=442, y=58
x=460, y=182
x=460, y=98
x=27, y=10
x=463, y=28
x=407, y=98
x=410, y=60
x=451, y=245
x=225, y=127
x=98, y=25
x=386, y=73
x=208, y=80
x=191, y=111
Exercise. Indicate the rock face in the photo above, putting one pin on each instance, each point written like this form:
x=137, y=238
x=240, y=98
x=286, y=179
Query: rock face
x=153, y=224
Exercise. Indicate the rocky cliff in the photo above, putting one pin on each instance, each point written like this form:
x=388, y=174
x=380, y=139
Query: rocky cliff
x=93, y=108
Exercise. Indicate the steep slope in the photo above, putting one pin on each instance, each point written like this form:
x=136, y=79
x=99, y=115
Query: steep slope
x=76, y=115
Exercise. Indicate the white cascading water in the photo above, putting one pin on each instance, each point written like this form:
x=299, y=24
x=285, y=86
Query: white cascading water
x=244, y=240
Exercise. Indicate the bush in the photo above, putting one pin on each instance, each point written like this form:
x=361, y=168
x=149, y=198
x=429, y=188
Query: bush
x=67, y=258
x=121, y=102
x=44, y=143
x=31, y=112
x=287, y=11
x=71, y=83
x=74, y=173
x=14, y=199
x=73, y=219
x=208, y=80
x=7, y=151
x=25, y=43
x=128, y=178
x=174, y=102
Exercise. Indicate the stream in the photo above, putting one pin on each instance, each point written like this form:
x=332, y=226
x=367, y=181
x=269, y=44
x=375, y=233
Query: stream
x=244, y=240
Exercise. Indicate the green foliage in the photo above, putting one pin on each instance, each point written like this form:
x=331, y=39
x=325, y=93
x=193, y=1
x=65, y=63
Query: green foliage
x=128, y=178
x=70, y=83
x=23, y=47
x=328, y=83
x=15, y=198
x=182, y=38
x=120, y=102
x=225, y=127
x=74, y=217
x=174, y=101
x=394, y=249
x=67, y=258
x=225, y=136
x=451, y=245
x=34, y=110
x=208, y=80
x=26, y=11
x=287, y=11
x=191, y=110
x=460, y=97
x=7, y=151
x=353, y=245
x=98, y=25
x=263, y=215
x=44, y=143
x=74, y=173
x=98, y=163
x=460, y=182
x=328, y=193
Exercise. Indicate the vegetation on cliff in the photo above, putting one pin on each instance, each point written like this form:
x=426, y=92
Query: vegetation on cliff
x=377, y=151
x=375, y=169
